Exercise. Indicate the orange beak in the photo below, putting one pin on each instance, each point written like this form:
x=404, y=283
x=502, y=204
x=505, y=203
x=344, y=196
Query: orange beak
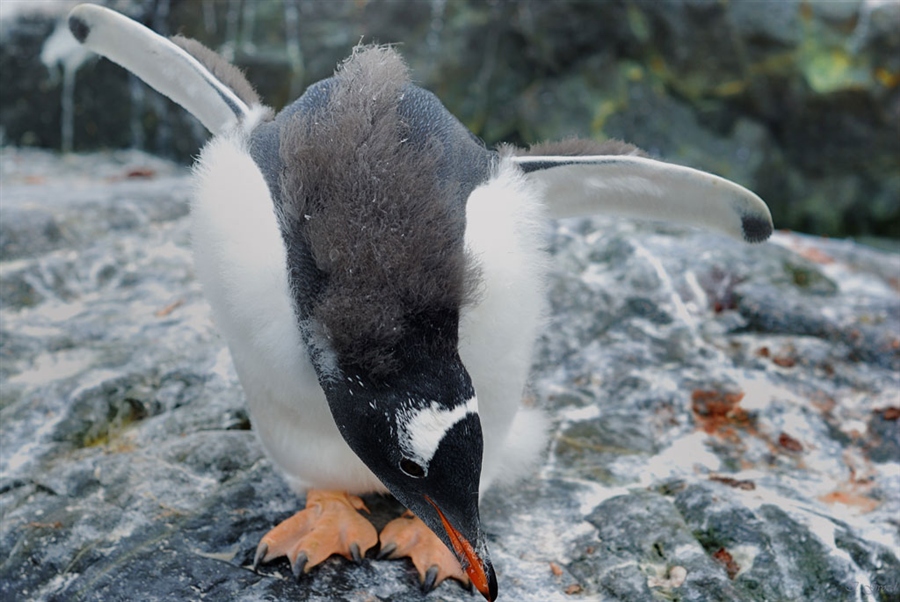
x=482, y=577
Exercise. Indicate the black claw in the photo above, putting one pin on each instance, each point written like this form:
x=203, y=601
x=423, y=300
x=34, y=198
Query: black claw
x=299, y=565
x=430, y=579
x=354, y=552
x=386, y=551
x=261, y=550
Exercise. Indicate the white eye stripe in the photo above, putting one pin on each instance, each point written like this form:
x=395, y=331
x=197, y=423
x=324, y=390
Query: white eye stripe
x=422, y=430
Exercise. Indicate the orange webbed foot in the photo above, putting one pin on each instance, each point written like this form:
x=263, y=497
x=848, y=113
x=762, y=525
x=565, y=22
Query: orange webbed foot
x=408, y=536
x=330, y=524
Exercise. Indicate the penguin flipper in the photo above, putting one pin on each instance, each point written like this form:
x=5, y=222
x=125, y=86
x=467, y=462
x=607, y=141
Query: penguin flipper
x=160, y=63
x=639, y=187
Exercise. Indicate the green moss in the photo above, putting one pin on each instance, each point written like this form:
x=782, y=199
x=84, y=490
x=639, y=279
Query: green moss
x=834, y=70
x=808, y=278
x=637, y=23
x=120, y=415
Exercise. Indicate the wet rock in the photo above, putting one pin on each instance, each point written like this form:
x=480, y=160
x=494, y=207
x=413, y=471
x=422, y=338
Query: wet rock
x=725, y=416
x=641, y=538
x=756, y=535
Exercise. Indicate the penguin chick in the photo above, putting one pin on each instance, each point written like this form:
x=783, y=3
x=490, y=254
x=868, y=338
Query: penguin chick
x=377, y=274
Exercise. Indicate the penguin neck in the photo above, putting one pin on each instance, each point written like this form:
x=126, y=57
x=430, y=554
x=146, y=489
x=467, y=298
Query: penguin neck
x=427, y=380
x=426, y=354
x=424, y=364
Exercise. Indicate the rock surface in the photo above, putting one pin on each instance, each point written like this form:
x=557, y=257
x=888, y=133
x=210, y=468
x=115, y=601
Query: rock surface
x=725, y=416
x=799, y=101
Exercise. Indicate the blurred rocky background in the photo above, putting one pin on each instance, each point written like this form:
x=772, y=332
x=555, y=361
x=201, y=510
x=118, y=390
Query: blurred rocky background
x=726, y=418
x=798, y=100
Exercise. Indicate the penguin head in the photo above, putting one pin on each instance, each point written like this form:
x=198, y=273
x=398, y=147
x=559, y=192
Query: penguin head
x=419, y=432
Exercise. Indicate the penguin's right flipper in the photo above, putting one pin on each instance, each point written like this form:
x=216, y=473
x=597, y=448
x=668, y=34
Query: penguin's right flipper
x=639, y=187
x=162, y=64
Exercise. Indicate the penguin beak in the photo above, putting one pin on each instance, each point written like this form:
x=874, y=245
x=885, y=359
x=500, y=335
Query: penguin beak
x=479, y=570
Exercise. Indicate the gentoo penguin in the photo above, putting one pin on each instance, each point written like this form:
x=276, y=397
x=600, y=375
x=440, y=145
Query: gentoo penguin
x=377, y=275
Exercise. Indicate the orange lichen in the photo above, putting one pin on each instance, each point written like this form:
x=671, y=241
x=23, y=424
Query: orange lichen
x=860, y=482
x=141, y=173
x=719, y=413
x=849, y=498
x=39, y=525
x=888, y=79
x=746, y=485
x=168, y=309
x=786, y=357
x=789, y=443
x=816, y=255
x=785, y=361
x=823, y=403
x=890, y=413
x=723, y=557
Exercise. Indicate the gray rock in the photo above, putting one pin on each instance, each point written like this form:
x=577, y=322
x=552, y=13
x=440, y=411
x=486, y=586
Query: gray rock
x=725, y=416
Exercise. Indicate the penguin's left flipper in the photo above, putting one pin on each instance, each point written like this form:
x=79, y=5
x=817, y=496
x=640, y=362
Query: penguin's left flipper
x=639, y=187
x=164, y=65
x=408, y=537
x=330, y=524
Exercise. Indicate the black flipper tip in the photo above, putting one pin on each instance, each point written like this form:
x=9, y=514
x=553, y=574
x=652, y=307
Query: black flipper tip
x=79, y=28
x=756, y=228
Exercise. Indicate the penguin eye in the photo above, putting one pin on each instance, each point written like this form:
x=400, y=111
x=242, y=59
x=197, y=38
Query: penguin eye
x=411, y=468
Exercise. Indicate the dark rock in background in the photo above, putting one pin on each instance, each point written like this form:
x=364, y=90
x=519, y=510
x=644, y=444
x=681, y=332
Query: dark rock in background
x=725, y=416
x=799, y=101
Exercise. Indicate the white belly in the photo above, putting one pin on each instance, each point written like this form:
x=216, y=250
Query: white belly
x=240, y=261
x=505, y=235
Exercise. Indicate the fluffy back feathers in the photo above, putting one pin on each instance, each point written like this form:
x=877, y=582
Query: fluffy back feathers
x=360, y=189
